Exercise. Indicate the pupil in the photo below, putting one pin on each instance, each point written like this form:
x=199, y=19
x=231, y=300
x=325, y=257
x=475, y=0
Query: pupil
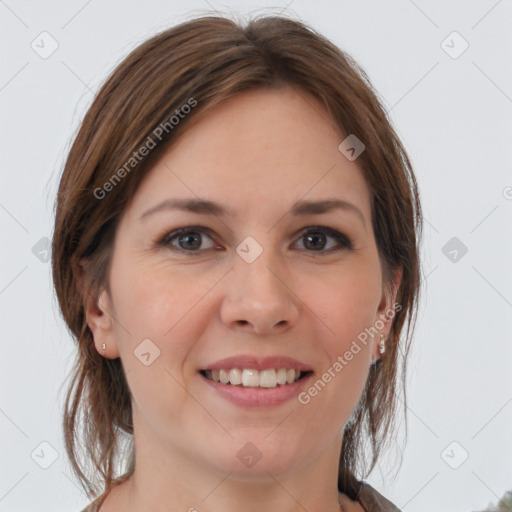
x=311, y=239
x=190, y=238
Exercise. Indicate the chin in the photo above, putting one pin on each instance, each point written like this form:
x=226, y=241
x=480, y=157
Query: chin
x=256, y=456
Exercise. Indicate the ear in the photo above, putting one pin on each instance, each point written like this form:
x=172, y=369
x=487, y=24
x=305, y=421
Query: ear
x=98, y=312
x=386, y=311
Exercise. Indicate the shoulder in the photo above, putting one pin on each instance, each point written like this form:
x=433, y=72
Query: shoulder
x=373, y=501
x=93, y=507
x=348, y=505
x=90, y=508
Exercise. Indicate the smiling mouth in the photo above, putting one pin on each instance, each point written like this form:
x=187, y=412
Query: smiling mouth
x=251, y=378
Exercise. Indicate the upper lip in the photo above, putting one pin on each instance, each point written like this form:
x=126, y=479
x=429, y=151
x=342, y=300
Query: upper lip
x=258, y=363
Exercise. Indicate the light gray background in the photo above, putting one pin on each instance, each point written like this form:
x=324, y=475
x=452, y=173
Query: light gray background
x=455, y=118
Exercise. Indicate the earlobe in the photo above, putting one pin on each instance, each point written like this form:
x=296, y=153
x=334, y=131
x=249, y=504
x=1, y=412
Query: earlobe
x=386, y=309
x=100, y=321
x=385, y=314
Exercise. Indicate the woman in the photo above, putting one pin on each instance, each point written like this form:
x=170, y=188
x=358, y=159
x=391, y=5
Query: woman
x=236, y=252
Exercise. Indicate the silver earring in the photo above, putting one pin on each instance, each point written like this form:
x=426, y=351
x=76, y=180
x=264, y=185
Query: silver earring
x=382, y=344
x=103, y=346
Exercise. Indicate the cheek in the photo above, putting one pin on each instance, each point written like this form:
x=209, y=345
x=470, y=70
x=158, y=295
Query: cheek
x=347, y=306
x=352, y=310
x=155, y=300
x=158, y=305
x=346, y=301
x=153, y=305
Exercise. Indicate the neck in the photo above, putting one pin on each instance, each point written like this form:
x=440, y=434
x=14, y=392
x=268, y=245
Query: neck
x=174, y=482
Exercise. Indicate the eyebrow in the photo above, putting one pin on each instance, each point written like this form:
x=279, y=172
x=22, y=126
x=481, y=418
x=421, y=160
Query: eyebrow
x=206, y=207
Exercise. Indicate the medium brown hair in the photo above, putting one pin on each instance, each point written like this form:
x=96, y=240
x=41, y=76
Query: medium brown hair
x=211, y=59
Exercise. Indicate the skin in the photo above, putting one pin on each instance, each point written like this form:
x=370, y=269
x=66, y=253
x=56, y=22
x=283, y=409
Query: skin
x=268, y=147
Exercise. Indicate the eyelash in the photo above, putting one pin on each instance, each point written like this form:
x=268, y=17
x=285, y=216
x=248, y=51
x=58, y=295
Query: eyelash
x=342, y=239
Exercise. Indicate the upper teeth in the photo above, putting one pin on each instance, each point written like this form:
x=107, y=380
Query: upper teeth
x=254, y=378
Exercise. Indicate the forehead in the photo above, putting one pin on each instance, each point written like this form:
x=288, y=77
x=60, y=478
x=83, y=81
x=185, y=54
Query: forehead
x=267, y=147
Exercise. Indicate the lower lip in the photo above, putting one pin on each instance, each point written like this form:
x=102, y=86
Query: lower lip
x=258, y=397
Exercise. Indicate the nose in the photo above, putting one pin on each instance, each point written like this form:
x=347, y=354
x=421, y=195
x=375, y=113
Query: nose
x=259, y=298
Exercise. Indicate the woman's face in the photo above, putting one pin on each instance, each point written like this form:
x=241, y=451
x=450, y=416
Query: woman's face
x=260, y=275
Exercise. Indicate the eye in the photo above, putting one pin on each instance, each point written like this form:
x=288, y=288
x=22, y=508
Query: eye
x=189, y=239
x=315, y=239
